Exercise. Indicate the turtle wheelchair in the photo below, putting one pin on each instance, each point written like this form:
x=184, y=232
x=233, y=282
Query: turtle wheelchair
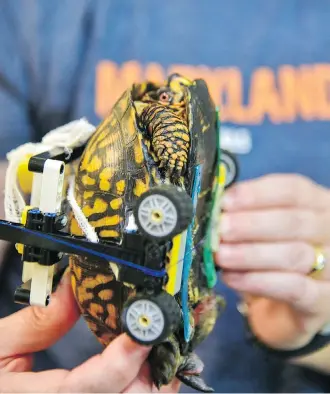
x=158, y=223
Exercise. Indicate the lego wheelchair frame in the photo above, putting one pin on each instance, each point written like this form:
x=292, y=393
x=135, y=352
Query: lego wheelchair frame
x=161, y=215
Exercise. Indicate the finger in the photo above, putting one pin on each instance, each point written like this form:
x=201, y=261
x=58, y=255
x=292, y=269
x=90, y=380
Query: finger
x=281, y=256
x=143, y=382
x=112, y=371
x=35, y=328
x=32, y=382
x=301, y=292
x=276, y=225
x=277, y=190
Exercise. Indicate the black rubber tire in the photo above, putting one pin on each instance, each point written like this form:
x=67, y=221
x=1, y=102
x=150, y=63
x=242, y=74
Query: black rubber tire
x=171, y=314
x=183, y=206
x=232, y=167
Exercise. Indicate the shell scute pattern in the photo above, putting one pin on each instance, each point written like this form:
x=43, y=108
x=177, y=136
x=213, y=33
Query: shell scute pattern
x=154, y=134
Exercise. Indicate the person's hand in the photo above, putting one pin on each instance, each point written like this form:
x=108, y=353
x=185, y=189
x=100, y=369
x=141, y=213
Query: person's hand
x=122, y=367
x=270, y=227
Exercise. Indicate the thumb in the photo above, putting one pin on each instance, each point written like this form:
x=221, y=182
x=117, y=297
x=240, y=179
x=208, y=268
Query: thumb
x=35, y=328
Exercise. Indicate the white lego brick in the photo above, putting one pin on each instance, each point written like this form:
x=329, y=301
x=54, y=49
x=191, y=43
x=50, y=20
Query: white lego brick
x=180, y=262
x=52, y=186
x=36, y=190
x=27, y=272
x=49, y=188
x=41, y=284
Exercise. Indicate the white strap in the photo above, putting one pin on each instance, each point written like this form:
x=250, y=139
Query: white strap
x=69, y=136
x=82, y=221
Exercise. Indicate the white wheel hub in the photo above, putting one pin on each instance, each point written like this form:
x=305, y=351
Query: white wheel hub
x=157, y=215
x=230, y=167
x=145, y=320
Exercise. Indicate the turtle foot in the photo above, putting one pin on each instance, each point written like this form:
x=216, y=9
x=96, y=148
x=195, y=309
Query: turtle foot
x=189, y=373
x=164, y=360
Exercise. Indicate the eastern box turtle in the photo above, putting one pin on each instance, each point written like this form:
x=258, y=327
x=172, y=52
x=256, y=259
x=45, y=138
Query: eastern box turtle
x=143, y=224
x=153, y=158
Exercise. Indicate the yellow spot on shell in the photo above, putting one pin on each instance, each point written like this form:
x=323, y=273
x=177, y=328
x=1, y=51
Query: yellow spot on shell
x=116, y=203
x=139, y=188
x=84, y=290
x=105, y=185
x=120, y=185
x=77, y=270
x=87, y=180
x=109, y=141
x=99, y=207
x=95, y=309
x=83, y=294
x=106, y=294
x=111, y=320
x=107, y=221
x=88, y=195
x=105, y=177
x=94, y=165
x=102, y=135
x=109, y=233
x=138, y=154
x=75, y=229
x=85, y=160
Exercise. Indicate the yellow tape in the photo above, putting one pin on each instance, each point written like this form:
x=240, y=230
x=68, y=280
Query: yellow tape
x=222, y=175
x=20, y=247
x=173, y=265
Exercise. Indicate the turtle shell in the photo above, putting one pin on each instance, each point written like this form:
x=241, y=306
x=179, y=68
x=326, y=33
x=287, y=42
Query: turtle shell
x=155, y=133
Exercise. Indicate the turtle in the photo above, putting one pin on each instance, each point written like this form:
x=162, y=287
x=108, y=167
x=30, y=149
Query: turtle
x=155, y=134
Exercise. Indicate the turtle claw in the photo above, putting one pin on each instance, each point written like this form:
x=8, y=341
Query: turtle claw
x=195, y=382
x=189, y=373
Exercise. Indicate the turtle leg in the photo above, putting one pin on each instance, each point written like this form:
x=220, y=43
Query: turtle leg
x=167, y=363
x=190, y=371
x=165, y=359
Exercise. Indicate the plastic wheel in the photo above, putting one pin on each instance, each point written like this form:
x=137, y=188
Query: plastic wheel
x=231, y=164
x=163, y=212
x=150, y=320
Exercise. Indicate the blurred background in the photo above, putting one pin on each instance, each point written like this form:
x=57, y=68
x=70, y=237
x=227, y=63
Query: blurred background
x=267, y=65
